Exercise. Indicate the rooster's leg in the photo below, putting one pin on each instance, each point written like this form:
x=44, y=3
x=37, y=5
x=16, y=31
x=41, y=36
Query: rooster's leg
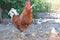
x=22, y=35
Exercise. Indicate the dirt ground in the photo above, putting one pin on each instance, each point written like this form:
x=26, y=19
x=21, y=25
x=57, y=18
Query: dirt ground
x=39, y=29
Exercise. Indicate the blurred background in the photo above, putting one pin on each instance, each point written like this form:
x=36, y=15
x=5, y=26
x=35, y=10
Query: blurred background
x=39, y=6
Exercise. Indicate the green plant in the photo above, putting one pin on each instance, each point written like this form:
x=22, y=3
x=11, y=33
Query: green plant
x=39, y=6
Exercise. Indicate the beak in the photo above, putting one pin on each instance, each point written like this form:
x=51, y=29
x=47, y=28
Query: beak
x=32, y=6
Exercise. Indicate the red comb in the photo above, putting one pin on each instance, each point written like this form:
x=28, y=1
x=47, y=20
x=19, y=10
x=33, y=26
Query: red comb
x=28, y=5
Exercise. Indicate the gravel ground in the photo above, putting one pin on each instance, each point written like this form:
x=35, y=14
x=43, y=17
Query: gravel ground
x=38, y=30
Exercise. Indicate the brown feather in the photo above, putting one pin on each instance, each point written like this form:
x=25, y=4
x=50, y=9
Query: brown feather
x=22, y=21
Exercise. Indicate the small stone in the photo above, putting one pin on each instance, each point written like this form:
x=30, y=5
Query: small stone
x=33, y=34
x=46, y=32
x=12, y=30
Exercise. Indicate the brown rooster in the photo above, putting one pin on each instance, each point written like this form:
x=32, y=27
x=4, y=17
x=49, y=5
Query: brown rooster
x=53, y=35
x=23, y=20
